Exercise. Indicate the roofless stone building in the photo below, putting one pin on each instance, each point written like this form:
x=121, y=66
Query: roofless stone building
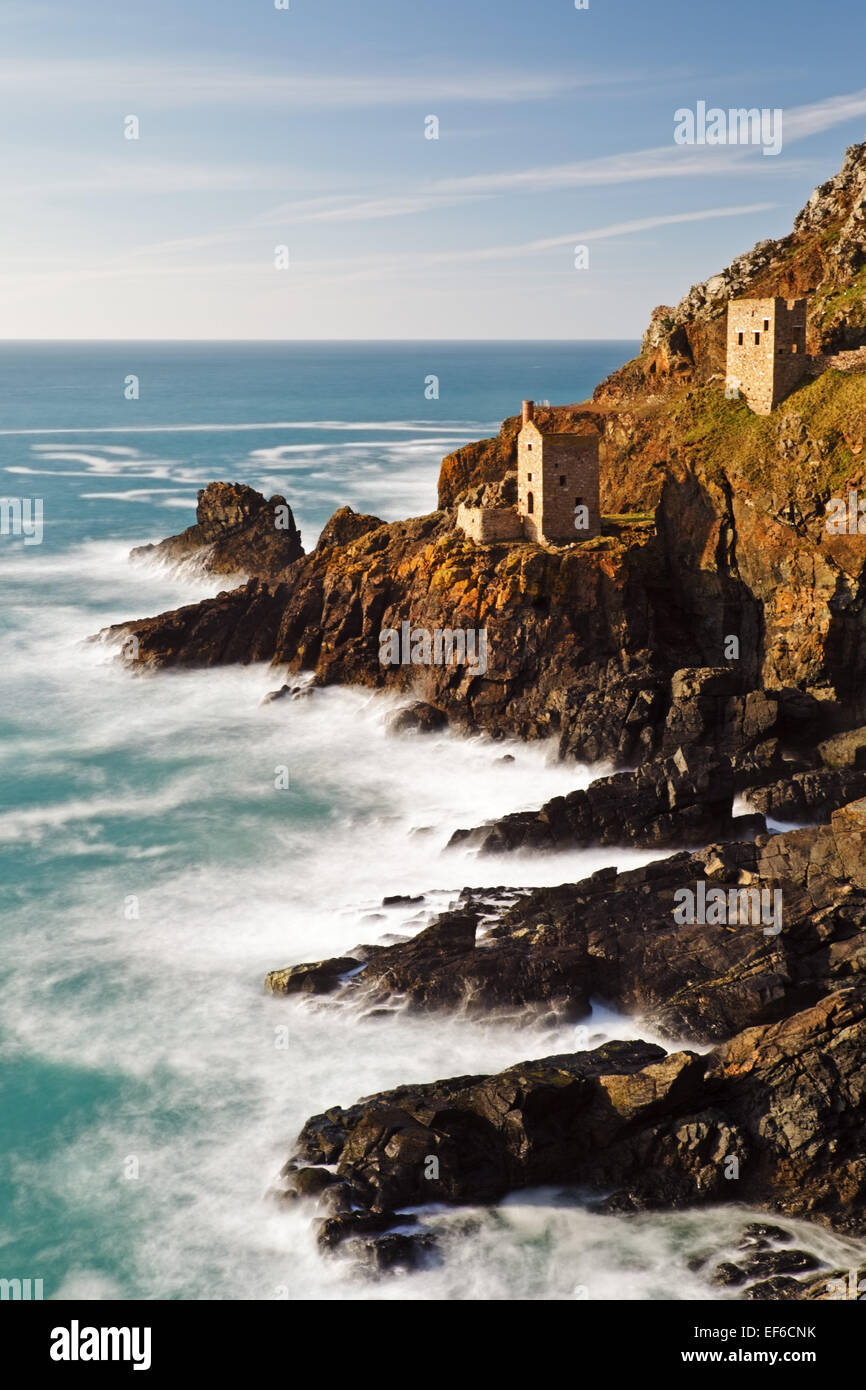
x=557, y=490
x=766, y=355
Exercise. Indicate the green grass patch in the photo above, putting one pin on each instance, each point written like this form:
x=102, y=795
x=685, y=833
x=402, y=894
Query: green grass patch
x=726, y=439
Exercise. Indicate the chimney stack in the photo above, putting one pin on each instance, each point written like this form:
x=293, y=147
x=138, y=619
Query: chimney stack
x=528, y=407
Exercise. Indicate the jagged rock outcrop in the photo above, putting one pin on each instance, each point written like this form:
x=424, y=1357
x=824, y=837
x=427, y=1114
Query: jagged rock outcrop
x=581, y=643
x=418, y=718
x=556, y=624
x=686, y=798
x=772, y=1118
x=625, y=938
x=751, y=563
x=238, y=625
x=237, y=531
x=808, y=796
x=846, y=750
x=347, y=525
x=713, y=650
x=669, y=801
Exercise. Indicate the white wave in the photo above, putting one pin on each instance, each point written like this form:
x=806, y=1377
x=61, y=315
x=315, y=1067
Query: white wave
x=137, y=494
x=95, y=568
x=95, y=462
x=158, y=471
x=158, y=794
x=279, y=452
x=33, y=824
x=355, y=426
x=121, y=450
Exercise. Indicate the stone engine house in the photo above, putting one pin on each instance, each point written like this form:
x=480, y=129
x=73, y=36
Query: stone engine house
x=766, y=355
x=557, y=478
x=558, y=498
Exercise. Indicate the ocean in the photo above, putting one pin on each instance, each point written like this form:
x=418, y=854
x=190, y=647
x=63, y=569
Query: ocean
x=153, y=872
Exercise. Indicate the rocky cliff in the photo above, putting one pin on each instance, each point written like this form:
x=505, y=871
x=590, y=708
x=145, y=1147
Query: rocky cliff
x=770, y=1116
x=717, y=649
x=823, y=258
x=236, y=531
x=738, y=569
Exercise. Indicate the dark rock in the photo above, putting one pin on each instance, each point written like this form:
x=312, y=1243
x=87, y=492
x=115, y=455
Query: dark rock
x=396, y=1250
x=296, y=692
x=321, y=977
x=237, y=531
x=419, y=718
x=767, y=1263
x=336, y=1229
x=846, y=750
x=687, y=798
x=346, y=526
x=626, y=1118
x=309, y=1182
x=781, y=1288
x=236, y=626
x=282, y=1198
x=758, y=1233
x=808, y=796
x=335, y=1198
x=618, y=937
x=490, y=1134
x=640, y=1128
x=703, y=682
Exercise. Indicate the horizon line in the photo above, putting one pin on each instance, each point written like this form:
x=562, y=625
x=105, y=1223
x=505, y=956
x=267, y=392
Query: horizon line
x=11, y=342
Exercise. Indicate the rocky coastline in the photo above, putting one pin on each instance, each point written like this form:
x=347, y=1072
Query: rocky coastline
x=711, y=646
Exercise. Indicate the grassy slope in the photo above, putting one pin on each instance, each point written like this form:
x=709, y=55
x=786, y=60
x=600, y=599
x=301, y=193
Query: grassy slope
x=724, y=436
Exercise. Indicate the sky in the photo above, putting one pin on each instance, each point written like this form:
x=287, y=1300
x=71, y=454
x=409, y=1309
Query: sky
x=283, y=184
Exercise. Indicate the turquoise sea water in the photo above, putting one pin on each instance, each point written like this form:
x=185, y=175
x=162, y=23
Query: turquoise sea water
x=153, y=872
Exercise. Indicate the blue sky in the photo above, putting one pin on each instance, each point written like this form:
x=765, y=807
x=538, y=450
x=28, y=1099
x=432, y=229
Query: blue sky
x=305, y=128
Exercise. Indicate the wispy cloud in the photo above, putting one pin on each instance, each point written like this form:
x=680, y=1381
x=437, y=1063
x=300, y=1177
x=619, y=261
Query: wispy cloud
x=214, y=82
x=133, y=175
x=802, y=121
x=383, y=266
x=606, y=233
x=638, y=166
x=371, y=209
x=633, y=166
